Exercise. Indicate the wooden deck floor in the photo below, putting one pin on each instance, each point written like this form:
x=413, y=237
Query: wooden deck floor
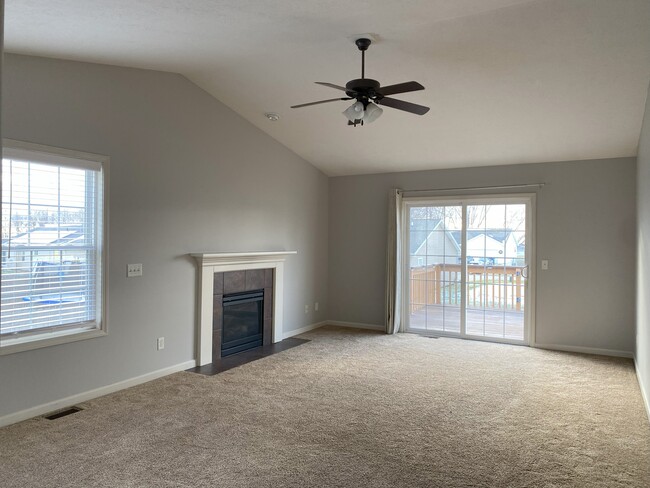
x=504, y=324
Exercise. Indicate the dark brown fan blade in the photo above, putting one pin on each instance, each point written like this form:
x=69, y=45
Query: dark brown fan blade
x=402, y=105
x=409, y=86
x=322, y=101
x=331, y=85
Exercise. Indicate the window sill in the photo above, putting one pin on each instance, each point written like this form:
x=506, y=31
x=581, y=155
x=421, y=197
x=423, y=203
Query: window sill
x=11, y=346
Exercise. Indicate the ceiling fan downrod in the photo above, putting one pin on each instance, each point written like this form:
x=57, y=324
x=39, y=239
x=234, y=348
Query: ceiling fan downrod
x=363, y=44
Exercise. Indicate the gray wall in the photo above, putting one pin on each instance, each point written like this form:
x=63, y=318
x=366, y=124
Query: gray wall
x=643, y=257
x=187, y=175
x=585, y=228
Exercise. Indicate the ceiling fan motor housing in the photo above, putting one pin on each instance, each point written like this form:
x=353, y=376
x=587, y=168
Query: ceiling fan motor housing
x=362, y=88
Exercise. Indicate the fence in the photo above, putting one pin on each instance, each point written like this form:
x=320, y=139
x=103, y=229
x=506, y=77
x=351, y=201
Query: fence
x=487, y=286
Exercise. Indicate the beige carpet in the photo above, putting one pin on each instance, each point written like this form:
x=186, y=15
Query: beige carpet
x=355, y=409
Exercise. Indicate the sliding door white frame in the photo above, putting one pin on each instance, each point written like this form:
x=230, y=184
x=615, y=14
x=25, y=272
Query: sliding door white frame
x=530, y=257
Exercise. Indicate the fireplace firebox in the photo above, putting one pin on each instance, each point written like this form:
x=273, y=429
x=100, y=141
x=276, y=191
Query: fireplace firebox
x=243, y=321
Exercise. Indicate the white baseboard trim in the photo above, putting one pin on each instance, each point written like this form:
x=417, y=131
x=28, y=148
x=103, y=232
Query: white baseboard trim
x=644, y=393
x=28, y=413
x=586, y=350
x=356, y=325
x=302, y=330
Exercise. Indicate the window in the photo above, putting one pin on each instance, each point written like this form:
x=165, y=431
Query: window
x=53, y=246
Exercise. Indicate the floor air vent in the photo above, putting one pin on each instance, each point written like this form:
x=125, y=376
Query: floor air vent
x=63, y=413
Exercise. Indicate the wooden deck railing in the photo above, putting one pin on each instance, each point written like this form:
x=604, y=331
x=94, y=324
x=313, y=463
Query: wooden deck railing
x=496, y=287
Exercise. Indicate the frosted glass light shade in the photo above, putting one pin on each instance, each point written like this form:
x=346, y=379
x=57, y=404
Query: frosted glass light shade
x=373, y=112
x=354, y=112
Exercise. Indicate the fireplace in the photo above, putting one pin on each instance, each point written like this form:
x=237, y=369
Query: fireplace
x=242, y=311
x=243, y=321
x=217, y=273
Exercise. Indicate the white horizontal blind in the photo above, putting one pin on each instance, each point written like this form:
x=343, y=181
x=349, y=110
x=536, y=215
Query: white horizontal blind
x=51, y=230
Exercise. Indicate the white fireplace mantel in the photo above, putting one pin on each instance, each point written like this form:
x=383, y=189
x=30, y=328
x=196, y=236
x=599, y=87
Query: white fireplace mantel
x=211, y=263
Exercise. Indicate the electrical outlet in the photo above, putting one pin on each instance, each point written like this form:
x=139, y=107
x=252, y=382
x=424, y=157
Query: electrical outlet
x=544, y=264
x=133, y=270
x=316, y=307
x=161, y=343
x=306, y=308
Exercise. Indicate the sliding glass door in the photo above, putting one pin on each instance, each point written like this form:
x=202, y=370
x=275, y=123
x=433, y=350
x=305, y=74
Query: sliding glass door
x=466, y=272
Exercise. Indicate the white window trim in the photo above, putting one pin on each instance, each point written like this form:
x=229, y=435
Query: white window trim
x=67, y=157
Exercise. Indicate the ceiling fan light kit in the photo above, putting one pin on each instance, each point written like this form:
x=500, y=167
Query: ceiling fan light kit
x=355, y=111
x=372, y=112
x=369, y=93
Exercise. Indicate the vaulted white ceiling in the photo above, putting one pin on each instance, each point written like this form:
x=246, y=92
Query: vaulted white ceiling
x=508, y=81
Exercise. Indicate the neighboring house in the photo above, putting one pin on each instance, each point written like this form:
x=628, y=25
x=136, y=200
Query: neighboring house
x=491, y=247
x=430, y=243
x=496, y=248
x=37, y=273
x=55, y=243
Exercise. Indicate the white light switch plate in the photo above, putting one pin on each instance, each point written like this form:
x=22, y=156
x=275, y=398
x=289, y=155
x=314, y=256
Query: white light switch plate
x=133, y=270
x=544, y=264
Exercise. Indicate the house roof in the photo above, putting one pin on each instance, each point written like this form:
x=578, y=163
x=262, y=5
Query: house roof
x=506, y=80
x=499, y=235
x=47, y=235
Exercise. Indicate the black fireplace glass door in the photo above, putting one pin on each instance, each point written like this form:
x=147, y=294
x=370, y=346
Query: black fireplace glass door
x=242, y=322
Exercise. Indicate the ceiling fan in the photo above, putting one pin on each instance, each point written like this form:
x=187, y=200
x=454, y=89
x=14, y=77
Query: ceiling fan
x=369, y=94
